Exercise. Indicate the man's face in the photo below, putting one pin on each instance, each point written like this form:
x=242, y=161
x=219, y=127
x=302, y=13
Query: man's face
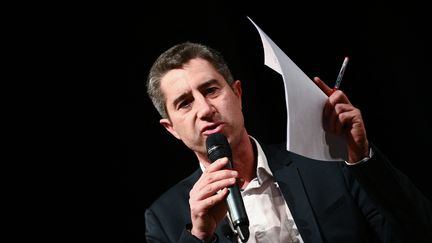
x=200, y=102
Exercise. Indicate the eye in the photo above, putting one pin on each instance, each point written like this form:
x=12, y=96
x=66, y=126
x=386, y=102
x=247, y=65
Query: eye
x=211, y=90
x=184, y=104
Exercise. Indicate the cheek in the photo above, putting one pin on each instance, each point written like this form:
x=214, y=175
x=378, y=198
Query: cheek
x=234, y=111
x=234, y=105
x=183, y=124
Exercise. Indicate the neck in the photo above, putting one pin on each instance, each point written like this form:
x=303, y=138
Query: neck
x=244, y=160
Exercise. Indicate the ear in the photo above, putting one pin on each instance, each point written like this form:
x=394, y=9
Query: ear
x=169, y=127
x=236, y=86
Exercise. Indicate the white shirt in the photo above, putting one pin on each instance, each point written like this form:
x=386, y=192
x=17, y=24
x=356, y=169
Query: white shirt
x=270, y=219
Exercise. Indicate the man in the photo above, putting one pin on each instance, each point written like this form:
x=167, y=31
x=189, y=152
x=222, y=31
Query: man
x=288, y=198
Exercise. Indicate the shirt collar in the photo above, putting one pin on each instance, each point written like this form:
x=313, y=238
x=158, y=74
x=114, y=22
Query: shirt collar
x=263, y=169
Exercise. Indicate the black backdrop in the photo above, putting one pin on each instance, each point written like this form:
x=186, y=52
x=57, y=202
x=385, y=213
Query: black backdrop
x=386, y=78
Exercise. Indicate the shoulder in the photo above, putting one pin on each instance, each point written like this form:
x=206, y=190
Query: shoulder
x=168, y=215
x=177, y=194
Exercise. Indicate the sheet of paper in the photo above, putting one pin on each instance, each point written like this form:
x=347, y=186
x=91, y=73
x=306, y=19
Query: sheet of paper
x=304, y=104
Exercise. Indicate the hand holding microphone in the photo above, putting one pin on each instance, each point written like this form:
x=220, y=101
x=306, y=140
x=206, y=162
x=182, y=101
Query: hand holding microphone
x=218, y=147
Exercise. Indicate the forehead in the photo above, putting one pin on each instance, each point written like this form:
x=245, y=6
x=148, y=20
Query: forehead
x=190, y=76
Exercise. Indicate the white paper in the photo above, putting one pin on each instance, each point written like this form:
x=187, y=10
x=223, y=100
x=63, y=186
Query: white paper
x=304, y=104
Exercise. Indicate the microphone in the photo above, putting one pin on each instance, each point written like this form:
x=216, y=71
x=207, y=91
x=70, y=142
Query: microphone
x=218, y=147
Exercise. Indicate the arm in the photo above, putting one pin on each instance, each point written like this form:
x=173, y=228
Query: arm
x=408, y=211
x=406, y=208
x=155, y=233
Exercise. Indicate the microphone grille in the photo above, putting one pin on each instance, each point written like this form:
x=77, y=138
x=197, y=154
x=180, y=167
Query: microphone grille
x=217, y=146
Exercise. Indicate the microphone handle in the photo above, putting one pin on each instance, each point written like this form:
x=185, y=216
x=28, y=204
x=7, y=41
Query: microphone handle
x=237, y=211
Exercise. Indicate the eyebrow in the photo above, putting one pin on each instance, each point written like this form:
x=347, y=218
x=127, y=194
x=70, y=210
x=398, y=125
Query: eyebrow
x=207, y=84
x=200, y=87
x=180, y=98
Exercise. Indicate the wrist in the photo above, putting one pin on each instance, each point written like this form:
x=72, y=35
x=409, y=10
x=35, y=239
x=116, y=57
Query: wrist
x=362, y=160
x=201, y=236
x=358, y=152
x=211, y=239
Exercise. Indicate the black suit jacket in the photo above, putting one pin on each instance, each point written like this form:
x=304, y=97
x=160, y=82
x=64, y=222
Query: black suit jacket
x=330, y=202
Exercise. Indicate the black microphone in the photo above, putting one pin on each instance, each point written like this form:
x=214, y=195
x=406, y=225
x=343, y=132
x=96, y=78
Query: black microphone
x=218, y=147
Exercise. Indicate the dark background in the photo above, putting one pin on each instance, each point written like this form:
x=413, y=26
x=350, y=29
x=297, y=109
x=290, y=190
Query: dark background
x=386, y=78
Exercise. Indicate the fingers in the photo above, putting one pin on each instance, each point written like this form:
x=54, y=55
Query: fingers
x=338, y=97
x=214, y=179
x=336, y=104
x=339, y=113
x=342, y=118
x=326, y=89
x=217, y=165
x=215, y=199
x=335, y=95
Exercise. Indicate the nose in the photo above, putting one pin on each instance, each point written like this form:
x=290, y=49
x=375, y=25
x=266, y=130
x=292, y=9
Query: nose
x=205, y=109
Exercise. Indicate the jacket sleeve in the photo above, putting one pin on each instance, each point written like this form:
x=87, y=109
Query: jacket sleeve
x=155, y=232
x=405, y=207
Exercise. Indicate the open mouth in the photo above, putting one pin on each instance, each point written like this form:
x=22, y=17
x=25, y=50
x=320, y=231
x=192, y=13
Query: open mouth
x=212, y=129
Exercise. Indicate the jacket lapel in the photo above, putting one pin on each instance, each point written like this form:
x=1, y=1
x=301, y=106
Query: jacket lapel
x=288, y=176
